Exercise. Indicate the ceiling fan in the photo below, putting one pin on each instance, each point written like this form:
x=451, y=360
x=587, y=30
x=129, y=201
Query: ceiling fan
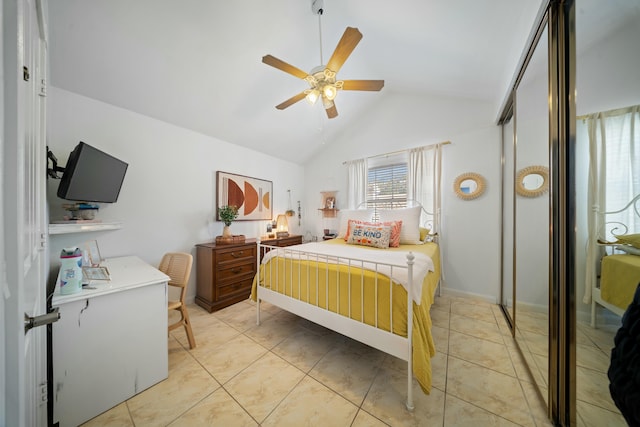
x=322, y=79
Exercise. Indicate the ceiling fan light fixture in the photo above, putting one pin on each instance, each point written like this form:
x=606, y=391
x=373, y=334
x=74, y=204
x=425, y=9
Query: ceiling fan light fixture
x=312, y=95
x=329, y=91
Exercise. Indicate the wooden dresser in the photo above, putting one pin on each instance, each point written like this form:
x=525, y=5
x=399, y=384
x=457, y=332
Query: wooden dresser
x=224, y=273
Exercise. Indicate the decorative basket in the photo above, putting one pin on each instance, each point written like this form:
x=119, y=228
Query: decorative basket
x=236, y=238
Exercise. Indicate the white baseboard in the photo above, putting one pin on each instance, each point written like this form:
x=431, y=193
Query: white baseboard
x=463, y=294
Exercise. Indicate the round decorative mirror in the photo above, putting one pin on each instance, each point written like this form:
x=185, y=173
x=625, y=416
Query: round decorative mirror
x=532, y=181
x=469, y=185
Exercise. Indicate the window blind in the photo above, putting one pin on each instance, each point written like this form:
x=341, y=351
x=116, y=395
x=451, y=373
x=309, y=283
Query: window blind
x=387, y=187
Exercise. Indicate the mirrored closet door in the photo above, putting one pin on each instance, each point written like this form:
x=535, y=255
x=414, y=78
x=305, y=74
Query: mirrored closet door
x=607, y=84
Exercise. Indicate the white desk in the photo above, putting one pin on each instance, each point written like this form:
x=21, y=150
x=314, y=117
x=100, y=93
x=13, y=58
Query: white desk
x=110, y=342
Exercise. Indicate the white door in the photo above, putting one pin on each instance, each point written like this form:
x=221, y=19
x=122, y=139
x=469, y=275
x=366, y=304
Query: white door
x=24, y=211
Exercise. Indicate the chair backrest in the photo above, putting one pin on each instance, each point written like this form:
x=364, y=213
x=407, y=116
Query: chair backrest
x=177, y=265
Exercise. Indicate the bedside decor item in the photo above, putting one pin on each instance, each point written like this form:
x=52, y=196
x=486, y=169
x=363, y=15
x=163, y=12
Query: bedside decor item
x=289, y=211
x=228, y=214
x=252, y=196
x=282, y=226
x=532, y=181
x=469, y=186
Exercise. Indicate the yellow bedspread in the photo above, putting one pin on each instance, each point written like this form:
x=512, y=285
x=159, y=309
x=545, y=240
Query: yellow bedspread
x=620, y=276
x=298, y=279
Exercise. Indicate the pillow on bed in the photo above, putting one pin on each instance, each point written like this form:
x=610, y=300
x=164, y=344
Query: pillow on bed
x=628, y=249
x=370, y=235
x=424, y=233
x=410, y=217
x=357, y=214
x=629, y=239
x=396, y=227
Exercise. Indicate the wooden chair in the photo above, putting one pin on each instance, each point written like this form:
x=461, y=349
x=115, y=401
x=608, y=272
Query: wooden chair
x=177, y=266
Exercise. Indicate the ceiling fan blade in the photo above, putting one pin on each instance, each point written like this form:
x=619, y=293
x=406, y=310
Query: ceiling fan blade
x=332, y=112
x=281, y=65
x=362, y=84
x=291, y=101
x=347, y=43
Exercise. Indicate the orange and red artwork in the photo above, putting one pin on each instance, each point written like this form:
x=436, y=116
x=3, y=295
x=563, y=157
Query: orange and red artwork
x=252, y=196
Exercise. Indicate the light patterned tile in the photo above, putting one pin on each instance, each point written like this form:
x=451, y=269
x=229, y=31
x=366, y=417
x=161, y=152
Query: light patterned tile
x=593, y=387
x=474, y=311
x=388, y=395
x=272, y=331
x=217, y=409
x=439, y=318
x=115, y=417
x=233, y=357
x=459, y=413
x=208, y=339
x=312, y=404
x=304, y=349
x=537, y=400
x=440, y=338
x=365, y=419
x=592, y=358
x=241, y=316
x=595, y=416
x=477, y=328
x=263, y=385
x=348, y=371
x=187, y=384
x=481, y=352
x=493, y=391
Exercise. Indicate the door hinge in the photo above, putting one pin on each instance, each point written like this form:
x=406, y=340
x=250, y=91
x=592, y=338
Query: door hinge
x=25, y=73
x=44, y=394
x=43, y=87
x=44, y=319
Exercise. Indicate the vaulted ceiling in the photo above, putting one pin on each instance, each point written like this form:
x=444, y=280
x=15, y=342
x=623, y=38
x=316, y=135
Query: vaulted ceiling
x=197, y=63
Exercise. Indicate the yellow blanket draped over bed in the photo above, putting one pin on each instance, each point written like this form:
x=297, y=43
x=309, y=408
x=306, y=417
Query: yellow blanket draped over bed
x=305, y=280
x=619, y=278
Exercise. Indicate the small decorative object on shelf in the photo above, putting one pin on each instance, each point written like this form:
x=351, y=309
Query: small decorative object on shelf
x=227, y=214
x=80, y=211
x=329, y=209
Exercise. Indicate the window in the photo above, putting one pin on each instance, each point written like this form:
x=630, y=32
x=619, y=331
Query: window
x=387, y=187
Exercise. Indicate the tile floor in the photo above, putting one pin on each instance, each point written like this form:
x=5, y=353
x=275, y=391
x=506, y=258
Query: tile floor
x=291, y=372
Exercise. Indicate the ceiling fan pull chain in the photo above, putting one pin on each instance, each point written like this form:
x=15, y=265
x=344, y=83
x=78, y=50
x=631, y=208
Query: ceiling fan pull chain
x=320, y=33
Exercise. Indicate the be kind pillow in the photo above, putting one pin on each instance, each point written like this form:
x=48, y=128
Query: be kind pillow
x=396, y=227
x=370, y=235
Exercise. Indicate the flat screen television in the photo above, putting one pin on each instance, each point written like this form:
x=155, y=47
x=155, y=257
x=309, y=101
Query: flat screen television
x=91, y=175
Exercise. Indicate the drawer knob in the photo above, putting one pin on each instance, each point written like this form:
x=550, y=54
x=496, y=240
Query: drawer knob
x=237, y=255
x=236, y=270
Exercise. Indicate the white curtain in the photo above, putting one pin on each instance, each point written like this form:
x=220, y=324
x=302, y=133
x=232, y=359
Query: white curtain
x=614, y=179
x=357, y=187
x=423, y=183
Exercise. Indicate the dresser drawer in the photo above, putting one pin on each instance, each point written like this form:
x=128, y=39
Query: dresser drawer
x=245, y=253
x=235, y=272
x=238, y=287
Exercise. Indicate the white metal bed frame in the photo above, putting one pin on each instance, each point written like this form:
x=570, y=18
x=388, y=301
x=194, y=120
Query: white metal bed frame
x=388, y=342
x=615, y=229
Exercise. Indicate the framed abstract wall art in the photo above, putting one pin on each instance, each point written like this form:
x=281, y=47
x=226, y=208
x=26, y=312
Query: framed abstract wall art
x=252, y=196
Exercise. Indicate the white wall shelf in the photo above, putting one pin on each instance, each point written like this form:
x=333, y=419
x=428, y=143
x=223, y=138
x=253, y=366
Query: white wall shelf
x=83, y=227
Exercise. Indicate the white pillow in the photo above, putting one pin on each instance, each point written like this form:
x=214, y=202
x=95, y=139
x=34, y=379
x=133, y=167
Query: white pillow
x=410, y=217
x=628, y=249
x=357, y=214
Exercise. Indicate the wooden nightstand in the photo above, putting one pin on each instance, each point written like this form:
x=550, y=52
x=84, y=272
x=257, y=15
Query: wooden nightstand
x=281, y=242
x=224, y=273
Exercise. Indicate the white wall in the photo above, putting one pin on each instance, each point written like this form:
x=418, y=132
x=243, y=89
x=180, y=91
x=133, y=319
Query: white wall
x=470, y=232
x=167, y=201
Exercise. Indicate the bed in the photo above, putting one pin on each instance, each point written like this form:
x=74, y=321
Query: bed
x=362, y=292
x=619, y=266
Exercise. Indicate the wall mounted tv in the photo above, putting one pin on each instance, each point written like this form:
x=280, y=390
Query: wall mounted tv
x=91, y=175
